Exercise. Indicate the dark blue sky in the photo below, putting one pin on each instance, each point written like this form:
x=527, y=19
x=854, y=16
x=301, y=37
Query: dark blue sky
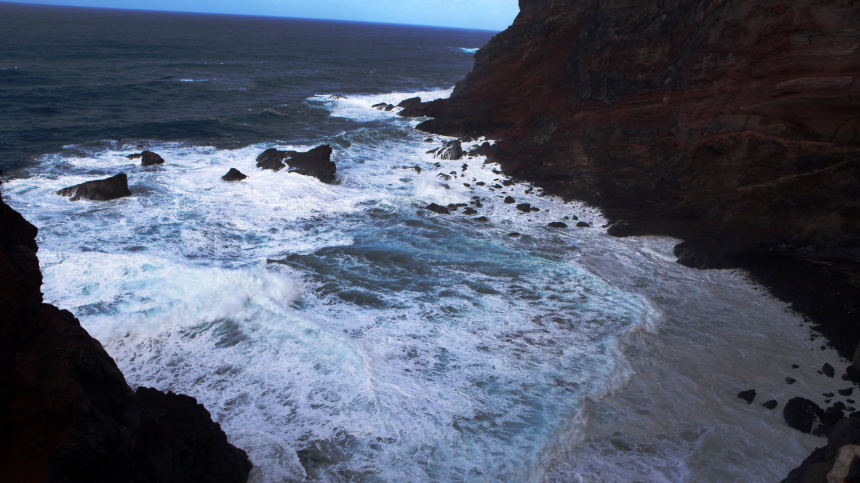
x=477, y=14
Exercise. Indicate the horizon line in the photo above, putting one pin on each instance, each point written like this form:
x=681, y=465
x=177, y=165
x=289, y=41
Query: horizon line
x=39, y=4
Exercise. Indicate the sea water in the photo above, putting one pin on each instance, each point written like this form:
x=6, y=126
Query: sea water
x=342, y=332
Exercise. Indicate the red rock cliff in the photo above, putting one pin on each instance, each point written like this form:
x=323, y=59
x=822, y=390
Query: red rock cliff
x=734, y=125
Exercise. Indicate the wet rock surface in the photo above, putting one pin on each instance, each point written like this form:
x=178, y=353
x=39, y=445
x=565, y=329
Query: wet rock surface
x=147, y=158
x=731, y=125
x=68, y=413
x=316, y=162
x=99, y=190
x=233, y=175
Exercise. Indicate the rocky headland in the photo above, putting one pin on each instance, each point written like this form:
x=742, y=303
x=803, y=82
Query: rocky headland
x=68, y=414
x=730, y=124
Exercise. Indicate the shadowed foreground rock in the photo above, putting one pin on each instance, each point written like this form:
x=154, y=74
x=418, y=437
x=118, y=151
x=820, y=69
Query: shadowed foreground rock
x=316, y=162
x=99, y=190
x=66, y=412
x=838, y=456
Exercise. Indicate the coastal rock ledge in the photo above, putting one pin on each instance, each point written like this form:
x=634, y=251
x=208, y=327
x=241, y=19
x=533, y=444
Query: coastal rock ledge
x=68, y=414
x=732, y=125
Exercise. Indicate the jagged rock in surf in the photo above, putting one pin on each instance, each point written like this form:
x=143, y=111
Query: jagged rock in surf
x=233, y=175
x=382, y=106
x=437, y=209
x=99, y=190
x=336, y=97
x=68, y=413
x=451, y=150
x=271, y=159
x=147, y=158
x=411, y=102
x=316, y=162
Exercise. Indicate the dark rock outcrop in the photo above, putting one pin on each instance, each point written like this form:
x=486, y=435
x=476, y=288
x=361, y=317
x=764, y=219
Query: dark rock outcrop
x=233, y=175
x=730, y=124
x=748, y=395
x=451, y=150
x=271, y=159
x=803, y=415
x=437, y=209
x=147, y=158
x=99, y=190
x=68, y=414
x=839, y=453
x=316, y=162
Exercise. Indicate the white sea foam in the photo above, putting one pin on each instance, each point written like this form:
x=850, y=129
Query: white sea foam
x=359, y=107
x=389, y=343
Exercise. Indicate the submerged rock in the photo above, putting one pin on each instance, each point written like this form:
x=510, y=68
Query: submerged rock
x=99, y=190
x=233, y=175
x=147, y=158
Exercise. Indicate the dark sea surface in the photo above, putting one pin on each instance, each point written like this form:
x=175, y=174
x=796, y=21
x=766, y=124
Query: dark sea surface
x=83, y=75
x=342, y=332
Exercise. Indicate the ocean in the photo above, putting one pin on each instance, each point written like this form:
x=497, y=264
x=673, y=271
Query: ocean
x=342, y=332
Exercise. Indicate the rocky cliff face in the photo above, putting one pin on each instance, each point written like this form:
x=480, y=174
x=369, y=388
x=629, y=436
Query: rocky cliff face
x=733, y=125
x=66, y=411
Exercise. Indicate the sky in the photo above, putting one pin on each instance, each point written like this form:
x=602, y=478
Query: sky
x=476, y=14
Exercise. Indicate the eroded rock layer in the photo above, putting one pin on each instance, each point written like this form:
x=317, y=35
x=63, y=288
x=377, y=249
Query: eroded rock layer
x=733, y=125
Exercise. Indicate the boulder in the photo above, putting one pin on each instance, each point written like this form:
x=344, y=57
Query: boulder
x=271, y=159
x=524, y=207
x=437, y=209
x=451, y=150
x=583, y=224
x=411, y=102
x=557, y=224
x=316, y=162
x=147, y=158
x=510, y=200
x=99, y=190
x=803, y=415
x=827, y=369
x=748, y=395
x=772, y=404
x=233, y=175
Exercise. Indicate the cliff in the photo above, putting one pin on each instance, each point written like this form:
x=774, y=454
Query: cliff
x=66, y=411
x=732, y=125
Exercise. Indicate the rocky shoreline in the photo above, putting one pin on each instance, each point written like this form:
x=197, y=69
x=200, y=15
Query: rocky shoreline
x=729, y=124
x=68, y=413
